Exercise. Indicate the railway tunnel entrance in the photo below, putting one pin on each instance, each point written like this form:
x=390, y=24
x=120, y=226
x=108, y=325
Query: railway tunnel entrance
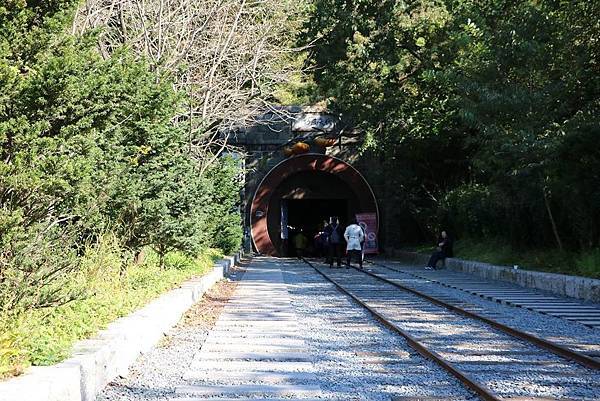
x=299, y=194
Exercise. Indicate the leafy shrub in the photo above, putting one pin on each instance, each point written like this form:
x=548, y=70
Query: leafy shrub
x=223, y=219
x=13, y=355
x=588, y=263
x=45, y=336
x=471, y=210
x=36, y=266
x=228, y=234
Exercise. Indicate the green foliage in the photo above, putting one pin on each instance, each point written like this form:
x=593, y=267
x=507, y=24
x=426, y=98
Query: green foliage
x=45, y=336
x=483, y=113
x=471, y=209
x=500, y=252
x=13, y=356
x=223, y=215
x=35, y=267
x=588, y=263
x=299, y=87
x=91, y=144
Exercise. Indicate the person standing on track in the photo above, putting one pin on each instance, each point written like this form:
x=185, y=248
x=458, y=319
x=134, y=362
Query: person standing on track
x=334, y=242
x=300, y=242
x=320, y=241
x=355, y=237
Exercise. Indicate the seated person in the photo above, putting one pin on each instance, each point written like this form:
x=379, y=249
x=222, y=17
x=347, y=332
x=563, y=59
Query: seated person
x=444, y=251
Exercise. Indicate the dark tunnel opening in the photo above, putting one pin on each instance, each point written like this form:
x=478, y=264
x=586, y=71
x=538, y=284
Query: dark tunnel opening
x=308, y=216
x=300, y=194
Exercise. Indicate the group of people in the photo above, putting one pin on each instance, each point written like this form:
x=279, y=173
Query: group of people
x=332, y=240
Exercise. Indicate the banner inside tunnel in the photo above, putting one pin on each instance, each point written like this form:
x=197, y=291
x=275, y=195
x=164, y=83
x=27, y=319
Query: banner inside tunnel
x=368, y=222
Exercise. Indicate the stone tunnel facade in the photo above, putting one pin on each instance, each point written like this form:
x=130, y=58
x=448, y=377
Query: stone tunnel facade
x=287, y=194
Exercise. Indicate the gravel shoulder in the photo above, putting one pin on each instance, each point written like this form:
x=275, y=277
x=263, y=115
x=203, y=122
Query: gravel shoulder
x=156, y=374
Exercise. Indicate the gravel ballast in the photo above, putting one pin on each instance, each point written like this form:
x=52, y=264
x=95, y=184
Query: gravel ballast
x=561, y=331
x=286, y=333
x=519, y=369
x=356, y=357
x=352, y=356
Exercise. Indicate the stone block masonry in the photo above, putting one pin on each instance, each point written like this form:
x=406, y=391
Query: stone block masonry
x=560, y=284
x=95, y=362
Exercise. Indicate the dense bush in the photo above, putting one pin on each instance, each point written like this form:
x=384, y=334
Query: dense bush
x=225, y=220
x=91, y=144
x=471, y=210
x=111, y=290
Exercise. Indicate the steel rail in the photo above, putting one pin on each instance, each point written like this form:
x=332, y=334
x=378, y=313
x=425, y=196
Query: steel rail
x=559, y=350
x=484, y=392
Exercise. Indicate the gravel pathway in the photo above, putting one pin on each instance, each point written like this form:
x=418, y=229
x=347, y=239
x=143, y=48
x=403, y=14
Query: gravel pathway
x=256, y=348
x=156, y=374
x=335, y=350
x=285, y=333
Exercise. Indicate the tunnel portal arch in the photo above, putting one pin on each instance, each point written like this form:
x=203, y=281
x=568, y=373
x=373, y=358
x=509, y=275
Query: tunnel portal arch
x=291, y=180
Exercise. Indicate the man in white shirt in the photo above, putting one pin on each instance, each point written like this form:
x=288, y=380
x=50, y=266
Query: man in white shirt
x=355, y=236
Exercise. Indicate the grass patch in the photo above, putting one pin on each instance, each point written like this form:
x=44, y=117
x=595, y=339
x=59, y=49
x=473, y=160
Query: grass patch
x=45, y=336
x=497, y=252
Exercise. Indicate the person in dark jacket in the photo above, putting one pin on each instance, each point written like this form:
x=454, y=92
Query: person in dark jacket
x=444, y=251
x=320, y=240
x=335, y=239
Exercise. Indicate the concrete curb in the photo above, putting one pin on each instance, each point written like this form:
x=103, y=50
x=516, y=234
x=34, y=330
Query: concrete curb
x=95, y=362
x=587, y=289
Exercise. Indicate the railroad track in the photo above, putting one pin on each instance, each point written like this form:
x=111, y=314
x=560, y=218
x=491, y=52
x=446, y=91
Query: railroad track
x=436, y=287
x=495, y=361
x=567, y=309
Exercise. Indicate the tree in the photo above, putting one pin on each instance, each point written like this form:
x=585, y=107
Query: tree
x=227, y=56
x=88, y=145
x=46, y=165
x=459, y=98
x=224, y=216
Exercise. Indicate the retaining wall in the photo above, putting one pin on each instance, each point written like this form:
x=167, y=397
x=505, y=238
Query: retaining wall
x=560, y=284
x=95, y=362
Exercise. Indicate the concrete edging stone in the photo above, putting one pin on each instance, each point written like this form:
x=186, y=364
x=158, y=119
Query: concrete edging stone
x=584, y=288
x=96, y=361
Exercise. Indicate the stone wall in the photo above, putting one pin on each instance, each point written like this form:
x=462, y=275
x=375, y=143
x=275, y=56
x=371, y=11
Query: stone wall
x=560, y=284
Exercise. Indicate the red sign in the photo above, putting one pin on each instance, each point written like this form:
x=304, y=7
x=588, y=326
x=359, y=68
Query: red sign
x=368, y=222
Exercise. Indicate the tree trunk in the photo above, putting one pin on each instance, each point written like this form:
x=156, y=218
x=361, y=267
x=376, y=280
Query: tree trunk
x=161, y=258
x=139, y=257
x=552, y=221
